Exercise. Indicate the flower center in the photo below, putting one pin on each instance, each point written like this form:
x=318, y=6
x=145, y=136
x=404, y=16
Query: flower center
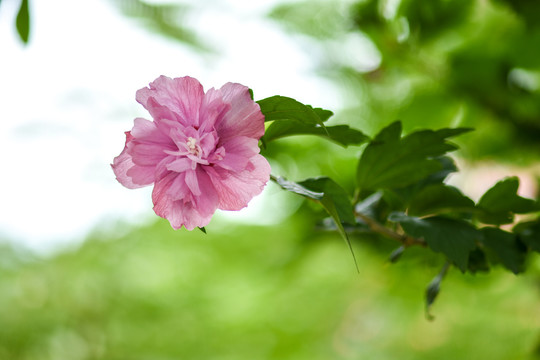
x=192, y=146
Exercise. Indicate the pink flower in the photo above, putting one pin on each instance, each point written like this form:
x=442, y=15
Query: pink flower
x=201, y=151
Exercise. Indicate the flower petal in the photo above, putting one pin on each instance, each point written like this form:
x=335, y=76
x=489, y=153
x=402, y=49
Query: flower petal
x=236, y=189
x=129, y=174
x=181, y=95
x=244, y=118
x=174, y=202
x=238, y=152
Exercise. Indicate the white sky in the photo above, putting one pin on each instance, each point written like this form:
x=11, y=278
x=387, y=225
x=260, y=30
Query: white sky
x=67, y=98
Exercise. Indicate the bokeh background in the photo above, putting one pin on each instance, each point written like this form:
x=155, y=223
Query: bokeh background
x=88, y=272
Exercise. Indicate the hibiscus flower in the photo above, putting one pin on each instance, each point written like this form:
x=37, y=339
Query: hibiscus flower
x=200, y=151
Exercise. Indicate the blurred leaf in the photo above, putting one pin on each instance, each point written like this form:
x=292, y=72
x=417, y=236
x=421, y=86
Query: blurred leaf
x=506, y=247
x=529, y=233
x=454, y=238
x=396, y=254
x=284, y=108
x=439, y=198
x=391, y=162
x=529, y=10
x=368, y=205
x=23, y=21
x=433, y=289
x=477, y=261
x=166, y=19
x=429, y=18
x=499, y=203
x=320, y=19
x=341, y=134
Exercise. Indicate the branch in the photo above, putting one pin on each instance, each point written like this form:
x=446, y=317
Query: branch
x=404, y=239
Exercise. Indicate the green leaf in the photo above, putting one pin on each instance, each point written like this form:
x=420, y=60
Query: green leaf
x=323, y=114
x=454, y=238
x=529, y=233
x=498, y=205
x=23, y=21
x=399, y=199
x=331, y=196
x=298, y=189
x=433, y=289
x=284, y=108
x=341, y=134
x=478, y=261
x=506, y=248
x=438, y=198
x=393, y=162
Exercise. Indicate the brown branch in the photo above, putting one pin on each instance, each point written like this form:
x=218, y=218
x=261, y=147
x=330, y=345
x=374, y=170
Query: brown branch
x=404, y=239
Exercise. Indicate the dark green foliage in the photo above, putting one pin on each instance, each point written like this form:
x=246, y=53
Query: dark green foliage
x=454, y=238
x=341, y=134
x=290, y=117
x=390, y=161
x=284, y=108
x=498, y=205
x=400, y=180
x=529, y=234
x=435, y=16
x=506, y=248
x=439, y=198
x=439, y=63
x=478, y=261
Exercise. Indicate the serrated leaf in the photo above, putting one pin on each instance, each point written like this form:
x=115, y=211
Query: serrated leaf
x=23, y=21
x=529, y=234
x=341, y=134
x=447, y=167
x=399, y=199
x=438, y=198
x=323, y=114
x=283, y=108
x=498, y=205
x=393, y=162
x=454, y=238
x=506, y=247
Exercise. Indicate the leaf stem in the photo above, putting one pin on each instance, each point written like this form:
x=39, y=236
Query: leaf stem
x=404, y=239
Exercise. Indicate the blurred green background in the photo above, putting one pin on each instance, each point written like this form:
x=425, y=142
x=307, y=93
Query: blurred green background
x=289, y=290
x=248, y=292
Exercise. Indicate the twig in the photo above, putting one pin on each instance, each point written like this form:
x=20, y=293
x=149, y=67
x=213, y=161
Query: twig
x=406, y=240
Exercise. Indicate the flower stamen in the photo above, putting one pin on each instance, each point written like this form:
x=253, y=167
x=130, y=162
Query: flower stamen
x=192, y=146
